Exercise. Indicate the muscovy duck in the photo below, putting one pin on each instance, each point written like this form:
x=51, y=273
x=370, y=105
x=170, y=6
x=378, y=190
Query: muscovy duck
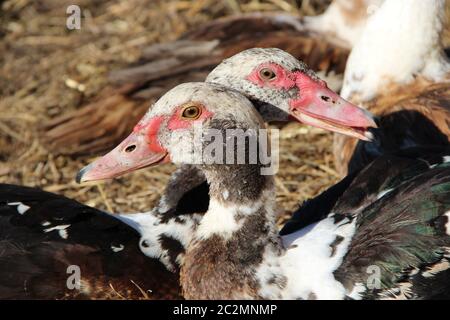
x=399, y=71
x=52, y=218
x=107, y=119
x=387, y=236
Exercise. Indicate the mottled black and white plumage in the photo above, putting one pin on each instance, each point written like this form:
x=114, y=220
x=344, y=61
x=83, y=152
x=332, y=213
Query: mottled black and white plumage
x=43, y=234
x=405, y=233
x=400, y=205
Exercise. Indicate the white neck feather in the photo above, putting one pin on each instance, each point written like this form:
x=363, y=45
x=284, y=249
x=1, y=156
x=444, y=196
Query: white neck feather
x=345, y=19
x=400, y=41
x=219, y=220
x=224, y=219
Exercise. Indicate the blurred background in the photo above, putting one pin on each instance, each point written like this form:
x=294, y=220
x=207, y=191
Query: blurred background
x=47, y=71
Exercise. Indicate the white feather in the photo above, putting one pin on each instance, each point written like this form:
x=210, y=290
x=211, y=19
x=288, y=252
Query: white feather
x=447, y=225
x=335, y=22
x=151, y=228
x=61, y=230
x=21, y=208
x=221, y=220
x=400, y=40
x=383, y=193
x=308, y=263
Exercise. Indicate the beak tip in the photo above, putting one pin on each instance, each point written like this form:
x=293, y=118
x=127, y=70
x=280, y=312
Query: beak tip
x=80, y=175
x=376, y=121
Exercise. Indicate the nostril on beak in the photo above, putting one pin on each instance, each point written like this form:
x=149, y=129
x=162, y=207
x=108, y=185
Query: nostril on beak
x=327, y=99
x=130, y=148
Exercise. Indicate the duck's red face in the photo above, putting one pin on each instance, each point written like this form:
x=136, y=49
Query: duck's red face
x=313, y=102
x=143, y=147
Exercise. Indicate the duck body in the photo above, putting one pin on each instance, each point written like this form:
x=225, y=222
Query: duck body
x=393, y=215
x=390, y=220
x=46, y=239
x=403, y=236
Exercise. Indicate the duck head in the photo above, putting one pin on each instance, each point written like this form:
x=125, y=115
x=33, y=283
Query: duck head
x=173, y=127
x=282, y=88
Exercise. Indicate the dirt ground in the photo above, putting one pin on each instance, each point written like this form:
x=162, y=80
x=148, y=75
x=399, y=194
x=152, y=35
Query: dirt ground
x=47, y=70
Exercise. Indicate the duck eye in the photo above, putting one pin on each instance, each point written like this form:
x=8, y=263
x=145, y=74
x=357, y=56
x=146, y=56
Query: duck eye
x=191, y=112
x=267, y=74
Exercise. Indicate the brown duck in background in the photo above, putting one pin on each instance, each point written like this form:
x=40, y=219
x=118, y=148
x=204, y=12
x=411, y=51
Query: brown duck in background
x=399, y=71
x=106, y=120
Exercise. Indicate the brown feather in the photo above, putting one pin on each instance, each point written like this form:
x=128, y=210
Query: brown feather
x=432, y=100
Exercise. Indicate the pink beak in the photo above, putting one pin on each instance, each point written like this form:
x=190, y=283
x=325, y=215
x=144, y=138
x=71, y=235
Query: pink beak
x=140, y=149
x=321, y=107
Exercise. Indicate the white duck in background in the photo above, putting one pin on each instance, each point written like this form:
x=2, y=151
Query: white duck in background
x=344, y=20
x=399, y=71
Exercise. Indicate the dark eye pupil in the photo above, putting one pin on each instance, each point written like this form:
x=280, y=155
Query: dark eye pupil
x=267, y=74
x=191, y=112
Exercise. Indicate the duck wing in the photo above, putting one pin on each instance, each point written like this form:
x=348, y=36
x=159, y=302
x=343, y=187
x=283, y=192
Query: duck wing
x=368, y=223
x=400, y=248
x=45, y=239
